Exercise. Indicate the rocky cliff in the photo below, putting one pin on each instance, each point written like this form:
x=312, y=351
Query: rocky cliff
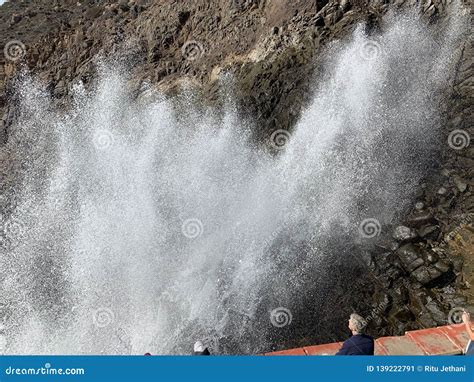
x=424, y=269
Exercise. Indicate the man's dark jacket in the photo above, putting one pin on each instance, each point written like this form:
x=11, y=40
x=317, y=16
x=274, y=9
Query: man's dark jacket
x=359, y=344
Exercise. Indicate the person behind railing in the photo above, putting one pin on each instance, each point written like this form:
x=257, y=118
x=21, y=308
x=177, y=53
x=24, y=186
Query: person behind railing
x=359, y=343
x=199, y=349
x=466, y=318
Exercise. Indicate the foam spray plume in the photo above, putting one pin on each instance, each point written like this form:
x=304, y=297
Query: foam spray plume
x=135, y=225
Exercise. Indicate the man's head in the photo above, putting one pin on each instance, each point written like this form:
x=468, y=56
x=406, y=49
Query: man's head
x=357, y=323
x=198, y=347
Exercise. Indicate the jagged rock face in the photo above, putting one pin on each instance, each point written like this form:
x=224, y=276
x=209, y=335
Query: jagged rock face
x=271, y=48
x=261, y=43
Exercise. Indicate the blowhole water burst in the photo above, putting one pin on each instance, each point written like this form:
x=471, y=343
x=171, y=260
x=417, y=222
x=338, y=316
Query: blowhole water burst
x=144, y=227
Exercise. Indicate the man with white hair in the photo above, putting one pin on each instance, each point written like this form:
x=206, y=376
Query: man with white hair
x=359, y=343
x=199, y=349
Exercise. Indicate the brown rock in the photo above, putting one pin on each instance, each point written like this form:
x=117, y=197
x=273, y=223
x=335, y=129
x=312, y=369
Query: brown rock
x=419, y=218
x=404, y=234
x=410, y=257
x=429, y=231
x=442, y=266
x=422, y=275
x=16, y=18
